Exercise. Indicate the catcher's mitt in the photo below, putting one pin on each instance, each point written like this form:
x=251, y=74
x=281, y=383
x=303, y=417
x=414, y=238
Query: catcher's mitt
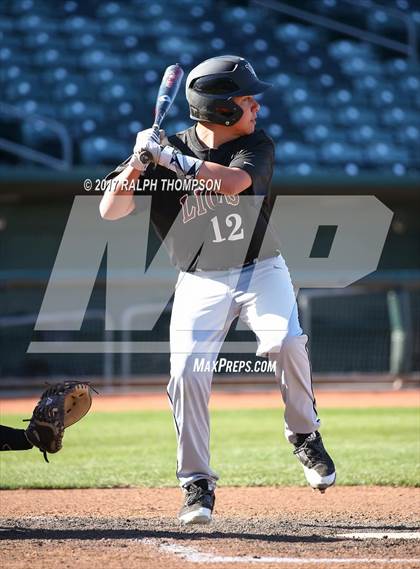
x=60, y=406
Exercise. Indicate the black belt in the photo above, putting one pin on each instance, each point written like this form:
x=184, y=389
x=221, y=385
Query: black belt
x=246, y=264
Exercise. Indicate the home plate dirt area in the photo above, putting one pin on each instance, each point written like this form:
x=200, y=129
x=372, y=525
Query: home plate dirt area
x=347, y=527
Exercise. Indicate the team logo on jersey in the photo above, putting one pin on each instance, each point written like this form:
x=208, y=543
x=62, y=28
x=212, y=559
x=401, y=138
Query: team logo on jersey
x=201, y=202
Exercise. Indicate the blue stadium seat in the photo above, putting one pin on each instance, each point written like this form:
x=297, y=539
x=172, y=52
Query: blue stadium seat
x=24, y=88
x=109, y=9
x=103, y=150
x=72, y=87
x=240, y=14
x=297, y=96
x=98, y=58
x=348, y=49
x=384, y=97
x=300, y=169
x=53, y=57
x=410, y=83
x=36, y=23
x=12, y=72
x=342, y=97
x=117, y=91
x=19, y=7
x=352, y=115
x=285, y=81
x=399, y=66
x=384, y=22
x=308, y=114
x=409, y=134
x=368, y=83
x=121, y=26
x=397, y=116
x=31, y=106
x=82, y=128
x=322, y=132
x=53, y=75
x=293, y=33
x=275, y=130
x=385, y=153
x=293, y=151
x=79, y=24
x=366, y=133
x=80, y=110
x=358, y=65
x=12, y=55
x=127, y=129
x=43, y=39
x=174, y=45
x=88, y=40
x=337, y=152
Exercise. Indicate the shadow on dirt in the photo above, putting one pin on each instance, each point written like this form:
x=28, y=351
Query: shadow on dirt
x=24, y=533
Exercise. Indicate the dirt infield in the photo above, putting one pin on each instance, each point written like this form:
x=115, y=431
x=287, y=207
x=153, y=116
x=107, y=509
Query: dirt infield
x=236, y=400
x=253, y=527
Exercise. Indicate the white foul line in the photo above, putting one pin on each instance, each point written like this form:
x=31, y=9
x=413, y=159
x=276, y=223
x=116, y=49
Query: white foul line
x=382, y=535
x=193, y=555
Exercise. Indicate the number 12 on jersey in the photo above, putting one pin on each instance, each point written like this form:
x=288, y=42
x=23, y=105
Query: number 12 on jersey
x=233, y=221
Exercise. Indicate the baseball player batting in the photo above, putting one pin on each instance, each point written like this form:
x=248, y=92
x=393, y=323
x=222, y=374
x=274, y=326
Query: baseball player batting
x=236, y=269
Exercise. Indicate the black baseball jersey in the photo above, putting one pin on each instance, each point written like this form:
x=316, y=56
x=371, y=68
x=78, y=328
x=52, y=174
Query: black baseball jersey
x=206, y=230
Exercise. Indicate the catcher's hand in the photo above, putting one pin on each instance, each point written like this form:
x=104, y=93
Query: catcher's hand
x=60, y=406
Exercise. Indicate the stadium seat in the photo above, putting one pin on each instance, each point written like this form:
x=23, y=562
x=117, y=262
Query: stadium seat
x=358, y=65
x=293, y=33
x=71, y=88
x=352, y=115
x=80, y=110
x=409, y=135
x=99, y=58
x=337, y=152
x=348, y=49
x=385, y=153
x=308, y=114
x=366, y=133
x=292, y=151
x=399, y=116
x=23, y=87
x=322, y=132
x=103, y=150
x=79, y=24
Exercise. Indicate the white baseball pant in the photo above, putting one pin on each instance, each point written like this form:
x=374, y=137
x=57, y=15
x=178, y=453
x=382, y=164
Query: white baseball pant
x=205, y=305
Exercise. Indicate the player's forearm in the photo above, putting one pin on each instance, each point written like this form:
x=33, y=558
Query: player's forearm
x=118, y=200
x=233, y=180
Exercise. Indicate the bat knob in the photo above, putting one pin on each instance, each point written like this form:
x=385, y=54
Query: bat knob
x=145, y=157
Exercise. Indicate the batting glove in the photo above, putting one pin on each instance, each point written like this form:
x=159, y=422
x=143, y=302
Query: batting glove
x=147, y=140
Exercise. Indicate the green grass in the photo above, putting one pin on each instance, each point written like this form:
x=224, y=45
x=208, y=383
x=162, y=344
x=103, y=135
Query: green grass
x=369, y=446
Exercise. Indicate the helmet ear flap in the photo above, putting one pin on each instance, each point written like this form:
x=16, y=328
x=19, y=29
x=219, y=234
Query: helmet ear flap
x=209, y=109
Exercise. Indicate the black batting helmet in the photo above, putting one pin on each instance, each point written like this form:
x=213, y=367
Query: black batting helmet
x=211, y=86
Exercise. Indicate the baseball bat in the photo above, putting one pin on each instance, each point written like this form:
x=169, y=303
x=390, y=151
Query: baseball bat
x=168, y=90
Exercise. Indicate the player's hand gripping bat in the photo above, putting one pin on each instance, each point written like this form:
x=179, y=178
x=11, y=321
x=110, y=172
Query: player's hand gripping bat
x=168, y=90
